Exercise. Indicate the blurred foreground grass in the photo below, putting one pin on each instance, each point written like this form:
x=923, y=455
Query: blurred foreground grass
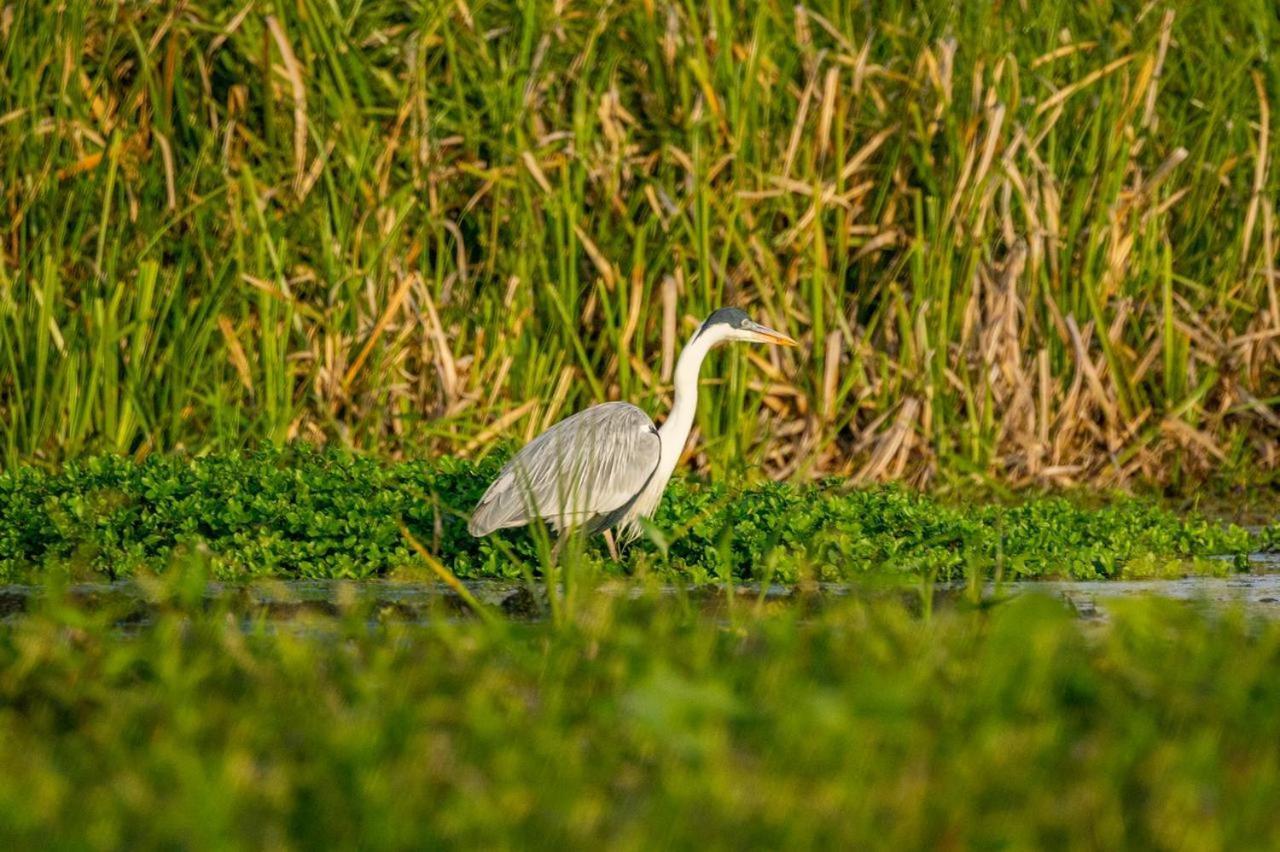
x=638, y=724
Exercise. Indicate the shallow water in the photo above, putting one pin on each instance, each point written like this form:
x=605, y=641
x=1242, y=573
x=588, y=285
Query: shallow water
x=299, y=601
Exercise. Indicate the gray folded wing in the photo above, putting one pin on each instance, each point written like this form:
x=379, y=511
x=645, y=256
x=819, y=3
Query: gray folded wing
x=583, y=471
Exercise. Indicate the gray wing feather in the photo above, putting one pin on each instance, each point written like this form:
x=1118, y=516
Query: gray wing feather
x=586, y=466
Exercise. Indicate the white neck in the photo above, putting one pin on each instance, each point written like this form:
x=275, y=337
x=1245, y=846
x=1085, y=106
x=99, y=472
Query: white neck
x=675, y=432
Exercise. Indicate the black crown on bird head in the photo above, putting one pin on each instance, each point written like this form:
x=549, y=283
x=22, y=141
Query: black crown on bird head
x=735, y=317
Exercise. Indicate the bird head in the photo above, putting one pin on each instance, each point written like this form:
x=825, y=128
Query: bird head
x=733, y=324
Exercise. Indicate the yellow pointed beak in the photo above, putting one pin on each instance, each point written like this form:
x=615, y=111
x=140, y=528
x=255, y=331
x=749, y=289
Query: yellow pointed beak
x=768, y=335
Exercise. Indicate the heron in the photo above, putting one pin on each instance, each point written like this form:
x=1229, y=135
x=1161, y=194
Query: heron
x=605, y=468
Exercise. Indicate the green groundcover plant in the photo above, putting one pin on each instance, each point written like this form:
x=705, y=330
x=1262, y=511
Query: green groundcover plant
x=307, y=513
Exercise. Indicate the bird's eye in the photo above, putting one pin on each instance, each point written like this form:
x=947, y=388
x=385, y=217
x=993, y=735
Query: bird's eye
x=744, y=323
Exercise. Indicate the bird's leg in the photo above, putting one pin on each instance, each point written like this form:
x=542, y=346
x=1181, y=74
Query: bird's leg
x=557, y=547
x=613, y=547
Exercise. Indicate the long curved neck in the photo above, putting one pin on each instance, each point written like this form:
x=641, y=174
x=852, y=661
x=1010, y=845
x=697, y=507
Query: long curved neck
x=675, y=432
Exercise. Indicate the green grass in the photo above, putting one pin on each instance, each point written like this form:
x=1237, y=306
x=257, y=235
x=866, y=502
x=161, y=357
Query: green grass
x=636, y=725
x=1029, y=243
x=309, y=513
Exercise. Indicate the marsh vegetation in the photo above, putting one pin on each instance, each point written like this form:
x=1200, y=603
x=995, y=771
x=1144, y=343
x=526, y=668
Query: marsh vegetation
x=281, y=284
x=1031, y=243
x=327, y=514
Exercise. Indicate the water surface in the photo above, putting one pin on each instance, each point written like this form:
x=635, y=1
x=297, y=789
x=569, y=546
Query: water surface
x=1257, y=591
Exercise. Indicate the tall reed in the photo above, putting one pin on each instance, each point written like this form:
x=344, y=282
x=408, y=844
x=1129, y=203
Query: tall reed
x=1026, y=242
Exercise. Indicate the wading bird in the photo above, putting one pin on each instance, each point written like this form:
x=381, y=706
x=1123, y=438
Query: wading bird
x=606, y=468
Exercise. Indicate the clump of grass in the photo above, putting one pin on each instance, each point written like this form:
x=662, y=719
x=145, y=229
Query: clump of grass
x=1029, y=242
x=323, y=513
x=638, y=725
